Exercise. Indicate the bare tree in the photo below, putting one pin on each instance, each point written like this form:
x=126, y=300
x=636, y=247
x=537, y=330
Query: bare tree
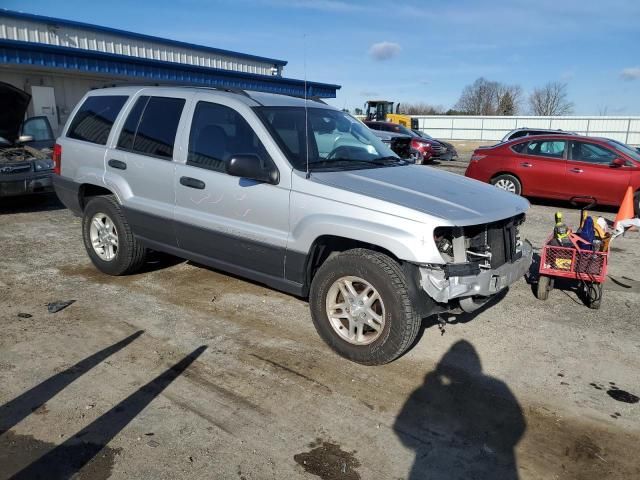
x=479, y=98
x=421, y=108
x=550, y=100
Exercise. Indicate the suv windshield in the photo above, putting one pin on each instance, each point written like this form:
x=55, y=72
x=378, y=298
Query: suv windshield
x=334, y=139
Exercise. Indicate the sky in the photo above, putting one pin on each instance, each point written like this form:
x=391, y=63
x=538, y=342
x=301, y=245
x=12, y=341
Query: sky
x=406, y=51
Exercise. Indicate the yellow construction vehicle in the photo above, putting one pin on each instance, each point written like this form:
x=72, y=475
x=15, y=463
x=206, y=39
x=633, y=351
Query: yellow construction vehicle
x=382, y=111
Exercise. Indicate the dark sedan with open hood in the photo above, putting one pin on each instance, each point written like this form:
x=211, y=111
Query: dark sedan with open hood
x=25, y=146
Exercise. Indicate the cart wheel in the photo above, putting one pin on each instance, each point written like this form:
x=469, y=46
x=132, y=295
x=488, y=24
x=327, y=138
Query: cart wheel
x=594, y=295
x=545, y=285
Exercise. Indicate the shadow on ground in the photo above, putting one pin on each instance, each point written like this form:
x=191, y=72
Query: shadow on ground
x=30, y=203
x=68, y=459
x=461, y=423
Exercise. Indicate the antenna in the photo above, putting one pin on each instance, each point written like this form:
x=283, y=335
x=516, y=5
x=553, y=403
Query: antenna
x=306, y=112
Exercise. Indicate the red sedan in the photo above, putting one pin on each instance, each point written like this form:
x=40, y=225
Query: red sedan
x=560, y=167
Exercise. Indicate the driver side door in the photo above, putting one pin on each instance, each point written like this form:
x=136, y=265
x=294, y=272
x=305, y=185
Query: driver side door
x=590, y=173
x=235, y=224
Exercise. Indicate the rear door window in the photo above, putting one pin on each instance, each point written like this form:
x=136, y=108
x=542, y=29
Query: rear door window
x=151, y=127
x=94, y=119
x=591, y=153
x=546, y=148
x=130, y=127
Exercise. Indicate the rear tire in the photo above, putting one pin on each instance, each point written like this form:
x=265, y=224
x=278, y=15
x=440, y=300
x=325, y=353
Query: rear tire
x=105, y=227
x=508, y=183
x=593, y=295
x=397, y=324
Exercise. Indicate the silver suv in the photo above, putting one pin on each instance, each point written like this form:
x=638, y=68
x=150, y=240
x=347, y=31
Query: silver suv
x=235, y=181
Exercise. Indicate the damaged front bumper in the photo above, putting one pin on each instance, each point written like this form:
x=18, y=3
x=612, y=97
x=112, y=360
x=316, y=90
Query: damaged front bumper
x=443, y=288
x=22, y=184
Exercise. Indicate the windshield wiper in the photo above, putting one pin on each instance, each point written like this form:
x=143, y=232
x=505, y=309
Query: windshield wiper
x=390, y=159
x=343, y=162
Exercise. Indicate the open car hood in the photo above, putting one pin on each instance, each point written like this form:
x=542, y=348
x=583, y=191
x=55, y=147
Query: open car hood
x=14, y=104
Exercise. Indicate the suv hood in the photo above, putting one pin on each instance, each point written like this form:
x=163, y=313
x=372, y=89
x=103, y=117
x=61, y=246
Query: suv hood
x=14, y=105
x=456, y=199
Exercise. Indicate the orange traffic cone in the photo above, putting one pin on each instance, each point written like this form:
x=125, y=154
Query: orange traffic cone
x=626, y=207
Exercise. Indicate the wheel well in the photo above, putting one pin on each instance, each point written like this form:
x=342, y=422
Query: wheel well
x=88, y=190
x=513, y=175
x=327, y=245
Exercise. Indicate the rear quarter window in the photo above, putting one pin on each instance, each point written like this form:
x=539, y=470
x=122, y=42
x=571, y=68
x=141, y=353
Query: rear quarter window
x=519, y=147
x=94, y=119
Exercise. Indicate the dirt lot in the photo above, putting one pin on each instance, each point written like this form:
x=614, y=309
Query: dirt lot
x=183, y=372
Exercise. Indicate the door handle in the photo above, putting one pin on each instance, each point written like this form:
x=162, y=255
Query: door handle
x=576, y=170
x=526, y=164
x=192, y=183
x=119, y=164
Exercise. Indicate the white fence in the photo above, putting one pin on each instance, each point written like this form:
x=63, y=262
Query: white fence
x=624, y=129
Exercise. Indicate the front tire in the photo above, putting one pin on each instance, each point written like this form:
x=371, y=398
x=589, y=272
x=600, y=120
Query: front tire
x=108, y=239
x=545, y=285
x=507, y=182
x=361, y=307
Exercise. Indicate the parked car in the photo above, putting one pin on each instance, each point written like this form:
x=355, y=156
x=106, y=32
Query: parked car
x=299, y=196
x=526, y=132
x=400, y=144
x=25, y=163
x=450, y=151
x=560, y=167
x=428, y=149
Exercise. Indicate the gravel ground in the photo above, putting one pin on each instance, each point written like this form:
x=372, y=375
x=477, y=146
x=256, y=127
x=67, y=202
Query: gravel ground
x=184, y=372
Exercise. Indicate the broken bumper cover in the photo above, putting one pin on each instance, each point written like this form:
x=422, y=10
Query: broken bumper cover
x=484, y=284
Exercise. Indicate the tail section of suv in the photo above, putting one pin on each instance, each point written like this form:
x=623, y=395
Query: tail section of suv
x=296, y=195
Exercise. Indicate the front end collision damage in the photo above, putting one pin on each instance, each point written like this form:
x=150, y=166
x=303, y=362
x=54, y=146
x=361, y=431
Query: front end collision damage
x=472, y=291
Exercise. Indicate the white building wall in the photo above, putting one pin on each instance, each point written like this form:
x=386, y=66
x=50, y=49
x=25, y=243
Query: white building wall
x=96, y=40
x=624, y=129
x=69, y=87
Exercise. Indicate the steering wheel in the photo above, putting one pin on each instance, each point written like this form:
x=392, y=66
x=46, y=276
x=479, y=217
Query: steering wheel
x=336, y=152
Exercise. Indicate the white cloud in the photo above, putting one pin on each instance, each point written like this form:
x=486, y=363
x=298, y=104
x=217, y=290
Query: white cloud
x=384, y=50
x=632, y=73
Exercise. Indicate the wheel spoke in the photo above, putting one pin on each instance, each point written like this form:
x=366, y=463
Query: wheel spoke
x=352, y=329
x=360, y=332
x=372, y=299
x=343, y=289
x=98, y=223
x=364, y=294
x=374, y=315
x=351, y=289
x=374, y=324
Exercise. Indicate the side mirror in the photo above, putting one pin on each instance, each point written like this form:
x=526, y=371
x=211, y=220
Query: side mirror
x=25, y=138
x=618, y=162
x=253, y=168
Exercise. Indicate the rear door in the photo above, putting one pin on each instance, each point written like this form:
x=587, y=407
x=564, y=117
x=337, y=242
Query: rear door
x=590, y=172
x=140, y=165
x=540, y=165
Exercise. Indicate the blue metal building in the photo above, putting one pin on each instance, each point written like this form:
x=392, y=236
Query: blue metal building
x=58, y=61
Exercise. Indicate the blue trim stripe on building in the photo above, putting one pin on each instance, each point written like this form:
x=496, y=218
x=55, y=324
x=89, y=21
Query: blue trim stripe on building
x=100, y=63
x=140, y=36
